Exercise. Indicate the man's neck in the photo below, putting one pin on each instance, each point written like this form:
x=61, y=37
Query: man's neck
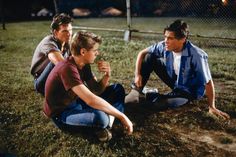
x=79, y=62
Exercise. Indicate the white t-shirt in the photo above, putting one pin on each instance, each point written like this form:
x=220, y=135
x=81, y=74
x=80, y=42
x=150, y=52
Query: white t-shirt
x=176, y=63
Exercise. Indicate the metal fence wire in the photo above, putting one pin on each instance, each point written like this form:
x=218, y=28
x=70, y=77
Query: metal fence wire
x=217, y=15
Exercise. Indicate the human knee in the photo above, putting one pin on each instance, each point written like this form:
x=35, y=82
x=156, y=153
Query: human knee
x=101, y=119
x=147, y=57
x=119, y=89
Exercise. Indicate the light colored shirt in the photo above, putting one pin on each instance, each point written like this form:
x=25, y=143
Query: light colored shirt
x=176, y=63
x=194, y=70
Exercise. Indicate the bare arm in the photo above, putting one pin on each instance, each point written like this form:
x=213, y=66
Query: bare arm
x=56, y=56
x=99, y=87
x=210, y=93
x=138, y=77
x=98, y=103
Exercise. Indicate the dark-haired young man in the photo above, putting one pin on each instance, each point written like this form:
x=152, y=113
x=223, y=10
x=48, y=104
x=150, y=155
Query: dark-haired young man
x=180, y=65
x=51, y=50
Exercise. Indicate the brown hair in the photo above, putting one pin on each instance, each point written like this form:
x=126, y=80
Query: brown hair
x=83, y=39
x=179, y=27
x=60, y=19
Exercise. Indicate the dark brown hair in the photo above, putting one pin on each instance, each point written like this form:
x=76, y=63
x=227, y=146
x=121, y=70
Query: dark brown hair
x=180, y=29
x=60, y=19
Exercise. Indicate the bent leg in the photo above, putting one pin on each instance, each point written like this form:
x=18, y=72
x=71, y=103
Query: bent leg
x=115, y=95
x=78, y=114
x=146, y=69
x=174, y=99
x=153, y=63
x=159, y=68
x=39, y=83
x=171, y=103
x=150, y=63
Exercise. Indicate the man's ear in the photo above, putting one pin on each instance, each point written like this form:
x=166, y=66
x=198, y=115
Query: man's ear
x=54, y=32
x=183, y=39
x=82, y=51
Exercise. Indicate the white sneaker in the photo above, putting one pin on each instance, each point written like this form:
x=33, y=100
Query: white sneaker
x=149, y=90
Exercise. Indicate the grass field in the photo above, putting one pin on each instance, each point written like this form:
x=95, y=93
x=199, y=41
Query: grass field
x=186, y=131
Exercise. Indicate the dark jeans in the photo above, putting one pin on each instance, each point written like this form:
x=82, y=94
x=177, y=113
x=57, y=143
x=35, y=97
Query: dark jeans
x=173, y=99
x=39, y=83
x=79, y=115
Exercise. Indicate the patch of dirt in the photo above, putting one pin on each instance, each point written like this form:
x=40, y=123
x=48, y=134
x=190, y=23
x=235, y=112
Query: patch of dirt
x=219, y=139
x=186, y=131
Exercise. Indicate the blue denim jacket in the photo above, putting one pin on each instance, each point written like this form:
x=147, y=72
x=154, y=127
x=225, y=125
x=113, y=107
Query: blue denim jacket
x=194, y=70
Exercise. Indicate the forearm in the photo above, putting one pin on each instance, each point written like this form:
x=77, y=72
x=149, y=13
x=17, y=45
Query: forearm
x=103, y=67
x=104, y=106
x=100, y=104
x=210, y=93
x=55, y=57
x=103, y=83
x=138, y=77
x=138, y=64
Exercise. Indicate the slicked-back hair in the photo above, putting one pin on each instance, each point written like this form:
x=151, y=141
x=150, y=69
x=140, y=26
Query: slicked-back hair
x=180, y=29
x=60, y=19
x=83, y=39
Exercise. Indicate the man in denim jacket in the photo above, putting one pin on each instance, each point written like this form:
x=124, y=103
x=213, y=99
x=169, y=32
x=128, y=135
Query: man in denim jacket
x=179, y=64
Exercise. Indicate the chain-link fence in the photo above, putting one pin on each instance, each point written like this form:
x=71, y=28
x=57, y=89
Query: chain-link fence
x=212, y=22
x=218, y=16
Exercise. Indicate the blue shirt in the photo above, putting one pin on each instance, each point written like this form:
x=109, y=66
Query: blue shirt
x=194, y=70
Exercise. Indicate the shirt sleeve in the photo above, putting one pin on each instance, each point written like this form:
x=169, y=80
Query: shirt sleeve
x=70, y=76
x=49, y=45
x=203, y=70
x=152, y=48
x=156, y=49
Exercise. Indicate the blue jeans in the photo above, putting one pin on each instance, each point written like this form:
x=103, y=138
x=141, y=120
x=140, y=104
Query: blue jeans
x=176, y=97
x=39, y=83
x=79, y=114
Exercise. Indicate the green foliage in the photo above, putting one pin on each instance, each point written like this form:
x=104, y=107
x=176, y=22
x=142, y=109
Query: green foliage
x=26, y=132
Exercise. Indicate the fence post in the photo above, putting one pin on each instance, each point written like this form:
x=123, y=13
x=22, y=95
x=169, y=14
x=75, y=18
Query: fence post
x=56, y=6
x=127, y=35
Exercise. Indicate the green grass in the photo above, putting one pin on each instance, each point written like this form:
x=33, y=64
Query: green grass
x=24, y=131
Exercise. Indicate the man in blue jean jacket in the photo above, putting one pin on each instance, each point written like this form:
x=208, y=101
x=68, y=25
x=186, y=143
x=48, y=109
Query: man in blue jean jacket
x=179, y=64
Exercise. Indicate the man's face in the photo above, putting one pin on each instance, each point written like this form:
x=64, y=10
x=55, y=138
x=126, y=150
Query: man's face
x=64, y=33
x=173, y=44
x=90, y=55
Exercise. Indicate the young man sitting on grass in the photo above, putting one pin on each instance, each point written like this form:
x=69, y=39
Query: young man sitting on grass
x=73, y=96
x=180, y=65
x=52, y=49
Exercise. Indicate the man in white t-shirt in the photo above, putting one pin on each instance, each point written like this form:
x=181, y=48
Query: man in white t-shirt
x=180, y=65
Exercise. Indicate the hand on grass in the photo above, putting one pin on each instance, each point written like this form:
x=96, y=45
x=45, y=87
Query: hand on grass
x=128, y=125
x=219, y=113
